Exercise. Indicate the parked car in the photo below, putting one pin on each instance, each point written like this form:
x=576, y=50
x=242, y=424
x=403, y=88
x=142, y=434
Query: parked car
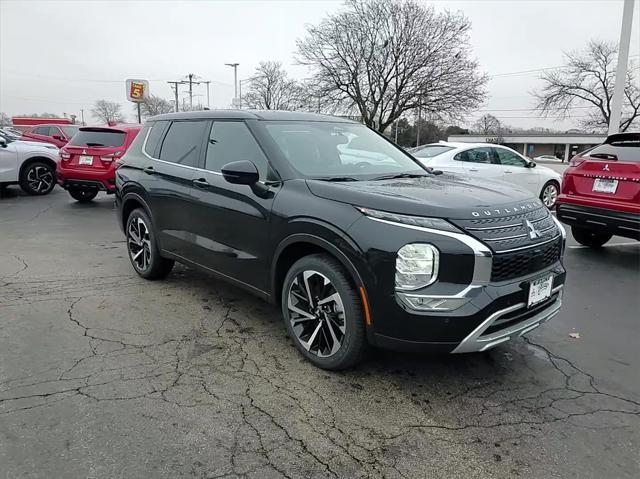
x=492, y=162
x=31, y=165
x=57, y=135
x=87, y=163
x=547, y=158
x=601, y=191
x=11, y=133
x=378, y=251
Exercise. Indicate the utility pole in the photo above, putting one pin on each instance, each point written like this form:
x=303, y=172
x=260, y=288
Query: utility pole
x=240, y=91
x=82, y=116
x=235, y=78
x=174, y=86
x=190, y=77
x=621, y=69
x=419, y=120
x=397, y=121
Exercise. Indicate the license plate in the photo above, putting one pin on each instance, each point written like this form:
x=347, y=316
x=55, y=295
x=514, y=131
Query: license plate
x=539, y=290
x=605, y=186
x=85, y=160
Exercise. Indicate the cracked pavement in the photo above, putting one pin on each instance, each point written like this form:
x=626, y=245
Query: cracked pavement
x=103, y=374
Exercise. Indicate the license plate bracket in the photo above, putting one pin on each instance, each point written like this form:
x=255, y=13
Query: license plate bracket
x=540, y=290
x=605, y=185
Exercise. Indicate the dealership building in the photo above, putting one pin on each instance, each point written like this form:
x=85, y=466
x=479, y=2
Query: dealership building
x=561, y=145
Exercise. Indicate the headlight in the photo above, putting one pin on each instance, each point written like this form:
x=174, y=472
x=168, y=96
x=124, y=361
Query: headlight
x=421, y=221
x=416, y=266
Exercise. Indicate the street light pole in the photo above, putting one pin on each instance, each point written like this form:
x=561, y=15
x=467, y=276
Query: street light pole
x=621, y=69
x=235, y=78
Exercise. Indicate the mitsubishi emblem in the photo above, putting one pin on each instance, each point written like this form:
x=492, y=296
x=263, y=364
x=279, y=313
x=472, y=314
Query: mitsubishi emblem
x=84, y=152
x=606, y=167
x=533, y=232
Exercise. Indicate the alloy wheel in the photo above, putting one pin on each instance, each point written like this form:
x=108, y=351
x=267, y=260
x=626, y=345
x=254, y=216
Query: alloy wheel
x=139, y=244
x=316, y=313
x=550, y=195
x=39, y=179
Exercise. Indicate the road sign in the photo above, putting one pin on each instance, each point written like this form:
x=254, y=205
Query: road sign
x=137, y=90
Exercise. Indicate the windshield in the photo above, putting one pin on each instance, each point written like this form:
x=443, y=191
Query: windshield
x=98, y=137
x=69, y=130
x=339, y=150
x=429, y=151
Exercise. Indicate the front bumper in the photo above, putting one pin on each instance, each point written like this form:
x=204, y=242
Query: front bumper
x=615, y=222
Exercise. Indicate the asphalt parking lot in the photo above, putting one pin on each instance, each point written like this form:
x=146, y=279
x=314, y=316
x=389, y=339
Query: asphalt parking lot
x=105, y=375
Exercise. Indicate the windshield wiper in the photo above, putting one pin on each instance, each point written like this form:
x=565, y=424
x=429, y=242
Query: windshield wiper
x=400, y=175
x=94, y=144
x=337, y=178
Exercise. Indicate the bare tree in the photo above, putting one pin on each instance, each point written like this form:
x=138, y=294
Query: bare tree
x=487, y=125
x=587, y=80
x=5, y=120
x=154, y=105
x=271, y=89
x=107, y=111
x=382, y=58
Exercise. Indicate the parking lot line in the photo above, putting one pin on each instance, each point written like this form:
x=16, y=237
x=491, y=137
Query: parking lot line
x=607, y=245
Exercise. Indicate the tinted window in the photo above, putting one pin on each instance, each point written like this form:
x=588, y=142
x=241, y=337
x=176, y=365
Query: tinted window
x=155, y=136
x=232, y=141
x=627, y=151
x=182, y=142
x=98, y=137
x=508, y=158
x=327, y=149
x=69, y=131
x=430, y=151
x=42, y=130
x=476, y=155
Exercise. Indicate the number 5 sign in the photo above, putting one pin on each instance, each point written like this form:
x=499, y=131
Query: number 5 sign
x=137, y=90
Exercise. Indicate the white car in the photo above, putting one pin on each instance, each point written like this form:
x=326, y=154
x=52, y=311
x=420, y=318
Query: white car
x=30, y=164
x=547, y=158
x=494, y=162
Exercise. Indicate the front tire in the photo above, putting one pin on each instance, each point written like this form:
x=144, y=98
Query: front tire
x=83, y=195
x=549, y=194
x=38, y=178
x=323, y=313
x=592, y=239
x=142, y=247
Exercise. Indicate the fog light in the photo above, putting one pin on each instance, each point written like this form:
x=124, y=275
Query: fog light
x=426, y=303
x=416, y=266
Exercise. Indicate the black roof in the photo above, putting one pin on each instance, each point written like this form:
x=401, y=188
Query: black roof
x=273, y=115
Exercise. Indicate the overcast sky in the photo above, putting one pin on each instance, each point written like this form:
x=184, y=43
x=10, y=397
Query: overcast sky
x=60, y=57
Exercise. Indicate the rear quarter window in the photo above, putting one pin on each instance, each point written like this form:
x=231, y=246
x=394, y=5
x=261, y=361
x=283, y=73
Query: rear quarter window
x=154, y=138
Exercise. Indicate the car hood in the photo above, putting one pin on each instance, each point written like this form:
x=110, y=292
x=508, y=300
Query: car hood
x=444, y=196
x=38, y=144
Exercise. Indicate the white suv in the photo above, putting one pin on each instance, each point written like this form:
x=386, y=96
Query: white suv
x=30, y=164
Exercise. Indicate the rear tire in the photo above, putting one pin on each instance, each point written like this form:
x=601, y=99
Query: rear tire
x=142, y=247
x=38, y=178
x=83, y=195
x=323, y=313
x=592, y=239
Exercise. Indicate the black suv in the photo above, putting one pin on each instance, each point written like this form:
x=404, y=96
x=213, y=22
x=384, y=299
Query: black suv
x=354, y=239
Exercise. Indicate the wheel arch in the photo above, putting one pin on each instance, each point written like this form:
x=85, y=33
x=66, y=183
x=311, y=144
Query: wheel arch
x=130, y=201
x=298, y=245
x=34, y=159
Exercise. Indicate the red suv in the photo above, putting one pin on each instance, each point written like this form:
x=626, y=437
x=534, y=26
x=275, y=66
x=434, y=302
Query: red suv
x=88, y=162
x=57, y=135
x=601, y=191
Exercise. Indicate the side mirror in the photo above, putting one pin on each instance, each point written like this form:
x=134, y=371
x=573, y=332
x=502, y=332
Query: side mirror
x=58, y=137
x=242, y=172
x=3, y=142
x=531, y=164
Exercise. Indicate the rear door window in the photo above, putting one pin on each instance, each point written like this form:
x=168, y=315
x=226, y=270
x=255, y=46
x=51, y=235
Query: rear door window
x=42, y=130
x=183, y=142
x=476, y=155
x=98, y=137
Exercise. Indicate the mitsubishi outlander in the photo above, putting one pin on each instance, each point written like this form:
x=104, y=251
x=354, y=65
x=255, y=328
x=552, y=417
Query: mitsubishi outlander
x=353, y=238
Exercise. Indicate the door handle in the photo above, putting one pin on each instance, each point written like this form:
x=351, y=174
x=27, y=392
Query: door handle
x=149, y=170
x=508, y=171
x=200, y=183
x=473, y=169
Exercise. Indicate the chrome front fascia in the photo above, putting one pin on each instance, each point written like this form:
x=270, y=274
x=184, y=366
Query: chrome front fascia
x=476, y=341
